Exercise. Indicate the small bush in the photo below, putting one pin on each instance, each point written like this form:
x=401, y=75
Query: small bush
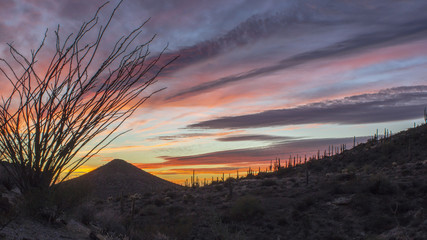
x=171, y=194
x=5, y=206
x=86, y=214
x=282, y=172
x=282, y=221
x=49, y=204
x=381, y=185
x=263, y=175
x=246, y=208
x=66, y=197
x=150, y=210
x=148, y=194
x=315, y=165
x=39, y=204
x=188, y=198
x=159, y=202
x=7, y=183
x=173, y=210
x=221, y=230
x=219, y=187
x=268, y=182
x=305, y=203
x=362, y=203
x=379, y=223
x=110, y=221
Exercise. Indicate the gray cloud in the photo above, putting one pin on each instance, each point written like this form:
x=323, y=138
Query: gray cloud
x=257, y=154
x=402, y=103
x=356, y=44
x=182, y=136
x=254, y=137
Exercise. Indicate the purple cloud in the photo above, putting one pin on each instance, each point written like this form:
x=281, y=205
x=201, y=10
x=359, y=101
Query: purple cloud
x=254, y=137
x=388, y=105
x=257, y=155
x=359, y=43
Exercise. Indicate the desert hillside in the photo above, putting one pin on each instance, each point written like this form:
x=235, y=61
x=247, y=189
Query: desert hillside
x=377, y=190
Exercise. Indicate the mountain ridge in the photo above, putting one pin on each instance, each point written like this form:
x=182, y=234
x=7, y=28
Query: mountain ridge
x=118, y=177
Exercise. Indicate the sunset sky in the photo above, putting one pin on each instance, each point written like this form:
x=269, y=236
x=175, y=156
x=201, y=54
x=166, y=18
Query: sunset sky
x=255, y=80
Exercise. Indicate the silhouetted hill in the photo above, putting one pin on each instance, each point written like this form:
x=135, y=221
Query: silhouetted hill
x=120, y=177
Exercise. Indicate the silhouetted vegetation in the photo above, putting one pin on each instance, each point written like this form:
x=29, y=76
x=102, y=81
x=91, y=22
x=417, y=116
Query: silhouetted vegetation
x=355, y=194
x=50, y=116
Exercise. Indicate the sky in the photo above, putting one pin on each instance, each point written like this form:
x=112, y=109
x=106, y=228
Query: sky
x=255, y=80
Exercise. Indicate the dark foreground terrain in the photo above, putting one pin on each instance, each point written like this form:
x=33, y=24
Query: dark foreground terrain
x=377, y=190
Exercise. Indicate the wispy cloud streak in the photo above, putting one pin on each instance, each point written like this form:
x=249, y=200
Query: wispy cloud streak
x=254, y=137
x=252, y=156
x=394, y=104
x=356, y=44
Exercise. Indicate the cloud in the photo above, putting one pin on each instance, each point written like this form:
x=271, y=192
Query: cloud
x=253, y=156
x=248, y=137
x=402, y=103
x=182, y=136
x=188, y=136
x=189, y=171
x=356, y=44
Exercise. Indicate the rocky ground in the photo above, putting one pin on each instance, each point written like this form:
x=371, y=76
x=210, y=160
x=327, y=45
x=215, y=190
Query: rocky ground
x=377, y=190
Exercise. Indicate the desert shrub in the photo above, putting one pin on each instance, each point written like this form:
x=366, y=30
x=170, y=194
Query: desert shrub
x=86, y=214
x=381, y=185
x=387, y=148
x=178, y=228
x=159, y=202
x=171, y=194
x=39, y=204
x=5, y=206
x=282, y=172
x=379, y=223
x=346, y=176
x=110, y=221
x=188, y=198
x=7, y=183
x=230, y=180
x=304, y=203
x=181, y=227
x=315, y=165
x=223, y=231
x=406, y=172
x=49, y=204
x=362, y=203
x=246, y=208
x=218, y=187
x=368, y=168
x=148, y=194
x=295, y=214
x=282, y=221
x=150, y=210
x=346, y=187
x=250, y=176
x=263, y=175
x=423, y=188
x=173, y=210
x=160, y=236
x=67, y=197
x=268, y=182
